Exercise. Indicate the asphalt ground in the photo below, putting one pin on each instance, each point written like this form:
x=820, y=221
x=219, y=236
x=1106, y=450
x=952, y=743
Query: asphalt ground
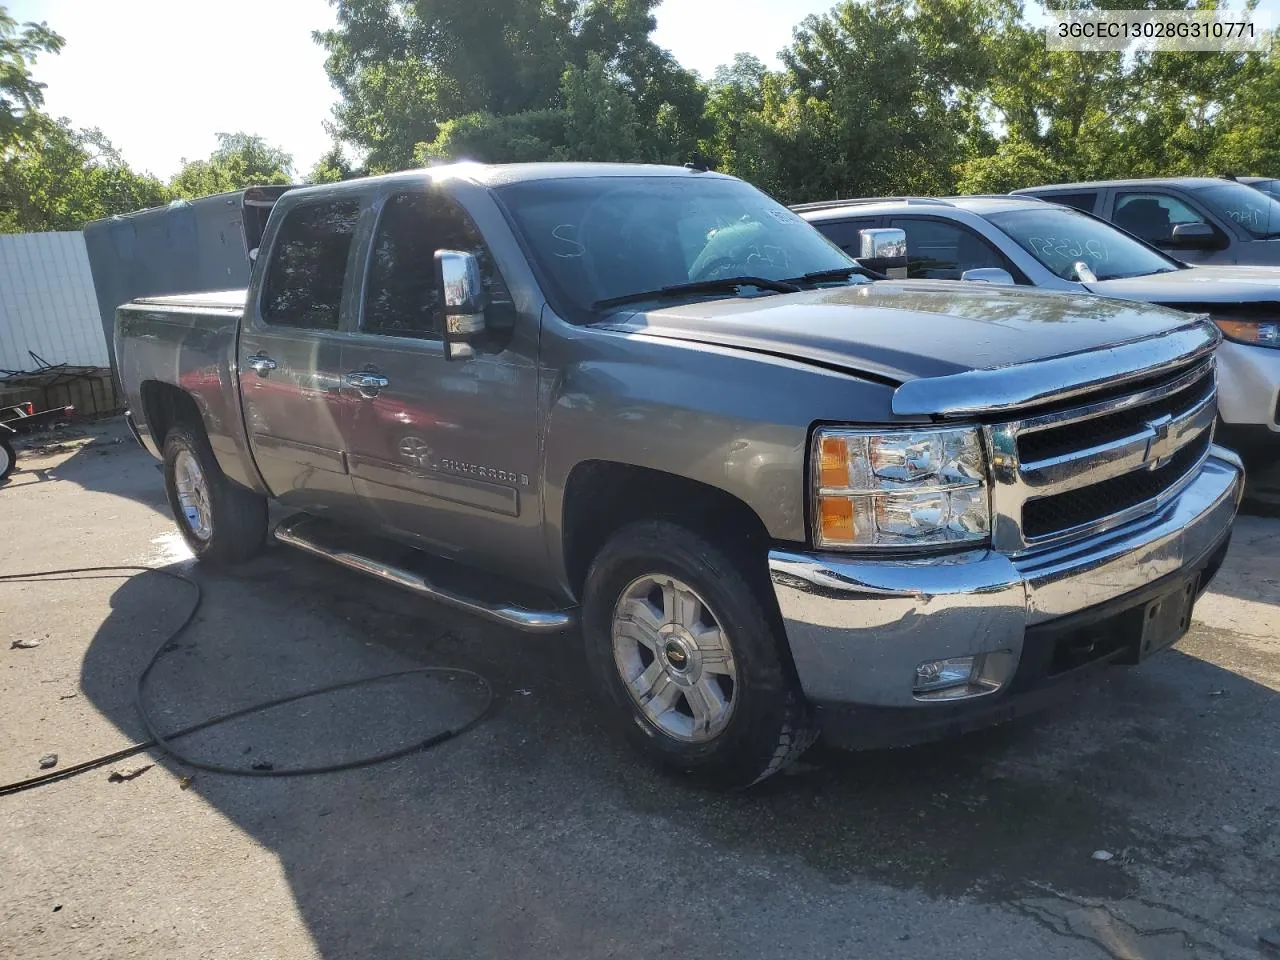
x=539, y=834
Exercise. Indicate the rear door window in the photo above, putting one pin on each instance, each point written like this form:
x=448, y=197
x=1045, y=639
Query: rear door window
x=1084, y=200
x=308, y=266
x=940, y=250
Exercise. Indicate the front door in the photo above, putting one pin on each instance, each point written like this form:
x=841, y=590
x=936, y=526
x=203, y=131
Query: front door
x=1152, y=216
x=290, y=358
x=444, y=452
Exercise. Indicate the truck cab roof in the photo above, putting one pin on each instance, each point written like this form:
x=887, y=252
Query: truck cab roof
x=503, y=174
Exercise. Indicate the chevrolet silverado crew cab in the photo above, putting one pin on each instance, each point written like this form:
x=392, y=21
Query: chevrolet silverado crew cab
x=776, y=495
x=1022, y=240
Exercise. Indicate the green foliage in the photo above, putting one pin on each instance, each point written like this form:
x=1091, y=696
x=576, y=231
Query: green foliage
x=527, y=137
x=240, y=160
x=20, y=95
x=873, y=97
x=438, y=78
x=333, y=167
x=59, y=178
x=599, y=120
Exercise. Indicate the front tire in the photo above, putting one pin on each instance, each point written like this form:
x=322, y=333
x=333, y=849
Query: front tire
x=690, y=664
x=221, y=521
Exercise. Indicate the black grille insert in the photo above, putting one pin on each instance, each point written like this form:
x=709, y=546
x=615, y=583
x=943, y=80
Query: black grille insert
x=1082, y=434
x=1063, y=511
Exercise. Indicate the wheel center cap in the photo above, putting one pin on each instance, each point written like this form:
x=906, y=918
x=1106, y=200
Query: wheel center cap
x=679, y=655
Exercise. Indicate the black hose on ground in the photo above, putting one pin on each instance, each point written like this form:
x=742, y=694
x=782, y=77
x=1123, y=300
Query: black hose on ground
x=165, y=741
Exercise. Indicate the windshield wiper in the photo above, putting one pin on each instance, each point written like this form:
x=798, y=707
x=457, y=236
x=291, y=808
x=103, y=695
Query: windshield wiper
x=726, y=284
x=839, y=273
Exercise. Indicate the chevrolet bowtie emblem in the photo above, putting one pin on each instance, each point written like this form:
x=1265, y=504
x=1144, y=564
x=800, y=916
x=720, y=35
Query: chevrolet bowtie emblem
x=416, y=451
x=1160, y=447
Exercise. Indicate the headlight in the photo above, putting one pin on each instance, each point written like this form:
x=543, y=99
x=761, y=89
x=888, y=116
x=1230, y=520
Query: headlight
x=899, y=488
x=1258, y=333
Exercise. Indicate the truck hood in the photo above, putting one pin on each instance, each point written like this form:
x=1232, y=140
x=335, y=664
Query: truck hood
x=897, y=331
x=1196, y=285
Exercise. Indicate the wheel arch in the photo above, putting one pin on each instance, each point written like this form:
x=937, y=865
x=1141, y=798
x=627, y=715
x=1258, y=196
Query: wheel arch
x=602, y=496
x=165, y=405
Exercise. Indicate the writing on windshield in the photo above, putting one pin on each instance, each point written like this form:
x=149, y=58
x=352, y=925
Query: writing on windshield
x=599, y=239
x=1256, y=212
x=1061, y=239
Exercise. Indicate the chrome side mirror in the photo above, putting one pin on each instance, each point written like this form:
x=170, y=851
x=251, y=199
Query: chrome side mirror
x=884, y=250
x=462, y=302
x=989, y=275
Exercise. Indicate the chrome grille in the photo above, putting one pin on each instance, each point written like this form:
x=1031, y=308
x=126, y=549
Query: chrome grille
x=1071, y=473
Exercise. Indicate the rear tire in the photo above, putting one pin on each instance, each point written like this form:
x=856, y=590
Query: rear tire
x=221, y=521
x=690, y=664
x=8, y=459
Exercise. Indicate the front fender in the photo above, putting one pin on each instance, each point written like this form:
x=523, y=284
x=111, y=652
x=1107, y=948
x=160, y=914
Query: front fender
x=735, y=421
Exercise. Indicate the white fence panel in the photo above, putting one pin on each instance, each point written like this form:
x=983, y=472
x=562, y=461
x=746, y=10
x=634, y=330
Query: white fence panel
x=47, y=302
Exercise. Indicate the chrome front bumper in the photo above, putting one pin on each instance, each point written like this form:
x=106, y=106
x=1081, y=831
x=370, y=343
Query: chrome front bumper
x=858, y=628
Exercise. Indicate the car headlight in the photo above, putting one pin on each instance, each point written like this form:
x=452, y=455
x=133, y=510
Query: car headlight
x=1257, y=333
x=900, y=488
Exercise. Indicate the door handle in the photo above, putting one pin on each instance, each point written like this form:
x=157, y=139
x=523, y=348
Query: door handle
x=261, y=364
x=367, y=382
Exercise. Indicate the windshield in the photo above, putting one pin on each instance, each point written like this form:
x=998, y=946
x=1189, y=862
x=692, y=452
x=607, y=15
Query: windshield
x=1256, y=212
x=1061, y=238
x=1270, y=187
x=601, y=238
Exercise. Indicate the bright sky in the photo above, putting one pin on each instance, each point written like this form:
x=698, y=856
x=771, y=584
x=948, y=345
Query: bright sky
x=161, y=77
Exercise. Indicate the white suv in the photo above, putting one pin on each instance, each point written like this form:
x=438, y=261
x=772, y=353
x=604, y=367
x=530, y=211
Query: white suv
x=1020, y=240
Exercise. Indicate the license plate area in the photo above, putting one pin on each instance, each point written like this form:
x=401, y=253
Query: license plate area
x=1166, y=619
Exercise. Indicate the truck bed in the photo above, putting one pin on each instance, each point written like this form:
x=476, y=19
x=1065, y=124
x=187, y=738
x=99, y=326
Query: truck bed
x=188, y=342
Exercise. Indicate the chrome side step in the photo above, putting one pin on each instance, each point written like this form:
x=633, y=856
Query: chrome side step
x=293, y=531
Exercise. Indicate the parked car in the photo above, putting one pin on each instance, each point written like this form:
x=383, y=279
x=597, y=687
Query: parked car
x=1021, y=240
x=776, y=496
x=1198, y=219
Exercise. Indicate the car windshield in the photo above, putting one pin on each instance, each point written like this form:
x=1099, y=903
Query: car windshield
x=1060, y=239
x=597, y=239
x=1270, y=187
x=1255, y=211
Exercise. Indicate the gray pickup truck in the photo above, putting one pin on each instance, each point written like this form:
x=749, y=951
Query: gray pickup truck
x=776, y=494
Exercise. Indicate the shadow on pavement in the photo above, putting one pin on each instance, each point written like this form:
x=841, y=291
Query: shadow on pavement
x=539, y=833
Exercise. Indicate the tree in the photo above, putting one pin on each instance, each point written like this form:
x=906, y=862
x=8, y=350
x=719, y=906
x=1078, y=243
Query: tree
x=20, y=95
x=406, y=68
x=1248, y=143
x=333, y=167
x=531, y=136
x=53, y=176
x=600, y=118
x=240, y=160
x=59, y=178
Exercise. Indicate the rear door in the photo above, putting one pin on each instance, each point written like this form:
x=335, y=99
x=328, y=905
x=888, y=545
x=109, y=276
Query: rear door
x=290, y=357
x=444, y=452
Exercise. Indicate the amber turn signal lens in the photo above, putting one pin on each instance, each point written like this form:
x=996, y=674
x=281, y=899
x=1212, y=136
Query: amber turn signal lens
x=833, y=466
x=835, y=519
